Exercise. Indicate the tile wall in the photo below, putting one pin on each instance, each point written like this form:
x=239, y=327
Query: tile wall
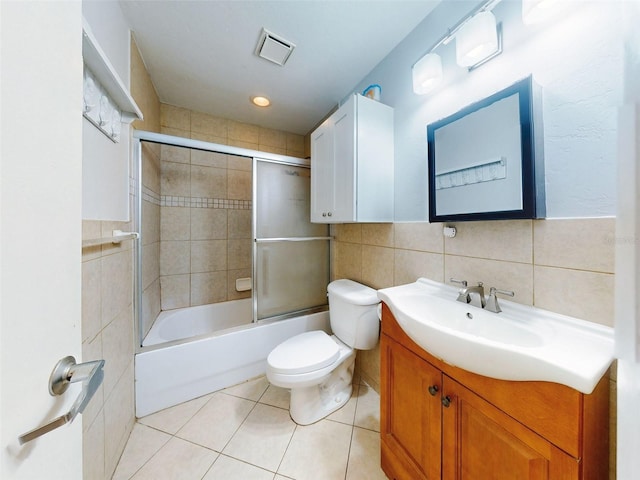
x=562, y=265
x=107, y=317
x=205, y=206
x=205, y=226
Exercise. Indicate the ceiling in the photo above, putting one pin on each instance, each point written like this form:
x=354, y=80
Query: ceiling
x=200, y=54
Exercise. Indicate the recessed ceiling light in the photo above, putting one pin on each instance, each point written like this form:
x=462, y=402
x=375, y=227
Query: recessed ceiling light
x=261, y=101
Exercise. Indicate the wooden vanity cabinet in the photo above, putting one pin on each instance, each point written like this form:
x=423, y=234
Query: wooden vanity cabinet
x=441, y=422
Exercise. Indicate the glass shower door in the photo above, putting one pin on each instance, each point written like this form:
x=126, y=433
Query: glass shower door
x=291, y=254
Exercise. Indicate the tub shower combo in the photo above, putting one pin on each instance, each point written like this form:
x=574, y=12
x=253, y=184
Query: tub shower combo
x=228, y=265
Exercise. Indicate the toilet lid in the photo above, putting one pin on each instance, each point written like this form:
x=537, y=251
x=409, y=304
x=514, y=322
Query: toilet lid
x=304, y=353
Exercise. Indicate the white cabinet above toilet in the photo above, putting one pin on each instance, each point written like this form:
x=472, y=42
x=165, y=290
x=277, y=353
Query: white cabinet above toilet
x=352, y=164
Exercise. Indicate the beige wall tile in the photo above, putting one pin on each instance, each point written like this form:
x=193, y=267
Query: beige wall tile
x=243, y=132
x=380, y=234
x=175, y=223
x=348, y=232
x=208, y=182
x=176, y=132
x=239, y=253
x=143, y=92
x=91, y=300
x=150, y=263
x=119, y=419
x=237, y=162
x=239, y=223
x=150, y=306
x=208, y=288
x=175, y=179
x=239, y=186
x=209, y=223
x=272, y=138
x=117, y=348
x=509, y=240
x=295, y=145
x=577, y=293
x=169, y=153
x=271, y=149
x=151, y=224
x=348, y=261
x=175, y=257
x=175, y=291
x=208, y=124
x=409, y=265
x=208, y=138
x=175, y=117
x=150, y=167
x=115, y=284
x=242, y=144
x=377, y=266
x=426, y=237
x=208, y=255
x=582, y=244
x=517, y=277
x=208, y=159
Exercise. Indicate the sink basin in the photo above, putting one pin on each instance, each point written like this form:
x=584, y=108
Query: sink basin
x=520, y=343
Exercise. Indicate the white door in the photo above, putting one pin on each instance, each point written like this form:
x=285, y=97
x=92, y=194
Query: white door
x=40, y=231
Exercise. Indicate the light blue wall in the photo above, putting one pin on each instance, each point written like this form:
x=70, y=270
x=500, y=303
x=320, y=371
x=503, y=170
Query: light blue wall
x=575, y=57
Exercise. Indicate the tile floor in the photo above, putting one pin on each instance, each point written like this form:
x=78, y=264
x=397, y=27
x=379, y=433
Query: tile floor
x=245, y=433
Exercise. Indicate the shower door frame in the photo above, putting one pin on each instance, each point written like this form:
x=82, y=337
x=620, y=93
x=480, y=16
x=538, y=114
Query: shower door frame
x=302, y=163
x=140, y=136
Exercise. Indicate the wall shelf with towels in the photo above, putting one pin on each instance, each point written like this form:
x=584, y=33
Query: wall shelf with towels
x=117, y=237
x=104, y=73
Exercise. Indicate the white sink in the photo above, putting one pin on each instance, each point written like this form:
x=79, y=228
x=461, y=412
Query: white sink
x=520, y=343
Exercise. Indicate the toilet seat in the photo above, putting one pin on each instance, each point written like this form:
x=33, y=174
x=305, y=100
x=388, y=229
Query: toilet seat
x=304, y=353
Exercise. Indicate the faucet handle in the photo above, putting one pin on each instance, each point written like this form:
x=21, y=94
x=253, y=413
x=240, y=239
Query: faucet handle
x=459, y=282
x=508, y=293
x=492, y=301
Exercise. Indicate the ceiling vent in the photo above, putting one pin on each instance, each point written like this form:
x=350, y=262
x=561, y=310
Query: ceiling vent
x=274, y=48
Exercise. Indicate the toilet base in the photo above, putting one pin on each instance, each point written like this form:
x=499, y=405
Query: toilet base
x=311, y=404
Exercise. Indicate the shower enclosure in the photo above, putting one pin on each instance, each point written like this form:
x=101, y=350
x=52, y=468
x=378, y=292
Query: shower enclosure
x=223, y=224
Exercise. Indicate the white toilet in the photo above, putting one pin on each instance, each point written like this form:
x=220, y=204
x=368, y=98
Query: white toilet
x=318, y=368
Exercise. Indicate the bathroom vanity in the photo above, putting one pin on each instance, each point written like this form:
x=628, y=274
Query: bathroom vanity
x=438, y=421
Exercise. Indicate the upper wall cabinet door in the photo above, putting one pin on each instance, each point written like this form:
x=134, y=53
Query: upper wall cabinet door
x=352, y=164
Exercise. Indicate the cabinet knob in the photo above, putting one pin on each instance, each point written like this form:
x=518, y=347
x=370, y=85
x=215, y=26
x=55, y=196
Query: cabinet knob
x=446, y=401
x=433, y=390
x=329, y=214
x=324, y=214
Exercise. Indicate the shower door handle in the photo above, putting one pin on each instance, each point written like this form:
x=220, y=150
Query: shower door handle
x=65, y=372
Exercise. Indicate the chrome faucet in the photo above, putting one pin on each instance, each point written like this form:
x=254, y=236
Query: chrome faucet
x=465, y=293
x=479, y=300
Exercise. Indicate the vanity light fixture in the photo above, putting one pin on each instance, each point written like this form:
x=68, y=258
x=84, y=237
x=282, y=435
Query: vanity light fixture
x=478, y=40
x=427, y=73
x=260, y=101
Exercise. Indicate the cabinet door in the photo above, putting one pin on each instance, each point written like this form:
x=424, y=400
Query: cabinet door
x=344, y=178
x=410, y=415
x=481, y=442
x=322, y=172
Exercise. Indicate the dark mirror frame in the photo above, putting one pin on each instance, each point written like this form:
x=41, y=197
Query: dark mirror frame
x=533, y=198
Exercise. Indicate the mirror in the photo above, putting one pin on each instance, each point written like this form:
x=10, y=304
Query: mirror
x=486, y=162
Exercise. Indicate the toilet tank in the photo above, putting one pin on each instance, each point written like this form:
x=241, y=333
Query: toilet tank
x=353, y=313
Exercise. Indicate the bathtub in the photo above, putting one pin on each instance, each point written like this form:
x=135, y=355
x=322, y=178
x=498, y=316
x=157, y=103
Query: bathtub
x=192, y=366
